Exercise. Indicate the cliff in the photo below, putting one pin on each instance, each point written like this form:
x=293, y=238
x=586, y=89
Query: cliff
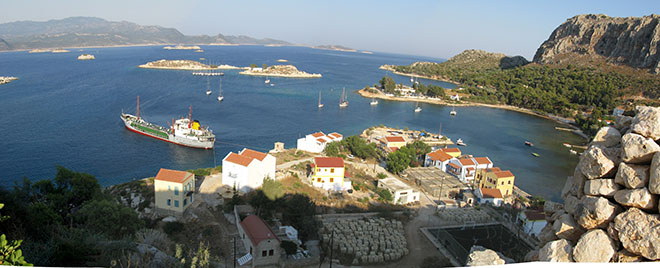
x=631, y=41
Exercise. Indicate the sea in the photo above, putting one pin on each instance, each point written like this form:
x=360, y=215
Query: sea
x=63, y=111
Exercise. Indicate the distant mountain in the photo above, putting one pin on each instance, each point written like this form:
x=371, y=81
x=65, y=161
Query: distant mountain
x=90, y=31
x=631, y=41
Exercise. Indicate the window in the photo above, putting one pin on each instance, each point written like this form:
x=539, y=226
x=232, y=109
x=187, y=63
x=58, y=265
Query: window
x=332, y=170
x=185, y=202
x=509, y=182
x=507, y=192
x=403, y=193
x=332, y=179
x=169, y=188
x=176, y=203
x=169, y=202
x=502, y=182
x=176, y=190
x=264, y=253
x=318, y=180
x=271, y=252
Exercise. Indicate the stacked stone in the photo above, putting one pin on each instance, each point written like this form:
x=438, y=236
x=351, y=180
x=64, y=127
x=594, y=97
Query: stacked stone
x=367, y=241
x=610, y=210
x=465, y=215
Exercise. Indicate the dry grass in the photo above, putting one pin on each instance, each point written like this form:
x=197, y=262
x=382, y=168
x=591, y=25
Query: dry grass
x=292, y=155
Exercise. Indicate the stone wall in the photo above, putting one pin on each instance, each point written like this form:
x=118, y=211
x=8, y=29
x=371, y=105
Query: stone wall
x=610, y=209
x=365, y=240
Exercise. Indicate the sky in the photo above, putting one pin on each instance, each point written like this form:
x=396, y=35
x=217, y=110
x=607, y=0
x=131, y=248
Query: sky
x=427, y=28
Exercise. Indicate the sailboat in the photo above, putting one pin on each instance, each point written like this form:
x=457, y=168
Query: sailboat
x=418, y=108
x=220, y=97
x=453, y=112
x=320, y=104
x=208, y=87
x=342, y=101
x=373, y=101
x=267, y=80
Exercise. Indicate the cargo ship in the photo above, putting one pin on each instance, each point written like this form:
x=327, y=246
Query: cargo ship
x=184, y=131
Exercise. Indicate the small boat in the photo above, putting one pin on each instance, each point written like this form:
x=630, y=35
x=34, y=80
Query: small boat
x=320, y=104
x=208, y=87
x=267, y=81
x=460, y=142
x=373, y=101
x=418, y=109
x=220, y=97
x=572, y=151
x=566, y=145
x=342, y=101
x=271, y=84
x=528, y=143
x=453, y=112
x=536, y=154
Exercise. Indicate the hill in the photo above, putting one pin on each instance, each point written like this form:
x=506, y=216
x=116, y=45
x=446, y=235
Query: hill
x=90, y=31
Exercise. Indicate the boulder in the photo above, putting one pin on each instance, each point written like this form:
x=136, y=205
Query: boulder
x=595, y=212
x=646, y=122
x=547, y=234
x=556, y=251
x=570, y=204
x=574, y=185
x=532, y=256
x=551, y=207
x=639, y=233
x=567, y=228
x=622, y=122
x=597, y=162
x=612, y=232
x=594, y=246
x=604, y=187
x=480, y=256
x=637, y=149
x=625, y=256
x=654, y=174
x=632, y=176
x=639, y=198
x=607, y=136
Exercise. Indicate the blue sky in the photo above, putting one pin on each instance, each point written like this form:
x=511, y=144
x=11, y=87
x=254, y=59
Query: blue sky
x=430, y=28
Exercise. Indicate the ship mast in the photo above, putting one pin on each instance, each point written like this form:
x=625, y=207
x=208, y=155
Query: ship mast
x=190, y=117
x=138, y=107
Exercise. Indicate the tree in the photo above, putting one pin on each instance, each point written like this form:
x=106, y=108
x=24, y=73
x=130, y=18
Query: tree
x=9, y=252
x=272, y=189
x=103, y=215
x=289, y=247
x=387, y=84
x=397, y=162
x=252, y=66
x=264, y=66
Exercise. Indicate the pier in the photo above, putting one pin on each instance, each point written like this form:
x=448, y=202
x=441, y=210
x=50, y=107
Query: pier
x=208, y=73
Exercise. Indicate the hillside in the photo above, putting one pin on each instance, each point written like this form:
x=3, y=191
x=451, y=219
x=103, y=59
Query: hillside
x=632, y=41
x=89, y=31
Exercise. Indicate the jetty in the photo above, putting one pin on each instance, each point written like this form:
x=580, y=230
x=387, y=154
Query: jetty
x=208, y=73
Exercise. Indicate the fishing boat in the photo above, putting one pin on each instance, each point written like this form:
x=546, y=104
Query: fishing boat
x=536, y=154
x=418, y=108
x=453, y=112
x=320, y=104
x=373, y=101
x=460, y=142
x=572, y=151
x=566, y=145
x=343, y=102
x=220, y=97
x=184, y=131
x=528, y=143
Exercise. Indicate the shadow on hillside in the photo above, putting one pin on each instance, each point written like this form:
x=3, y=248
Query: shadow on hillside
x=512, y=62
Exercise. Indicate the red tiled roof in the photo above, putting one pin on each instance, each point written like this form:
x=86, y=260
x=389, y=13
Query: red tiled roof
x=451, y=150
x=394, y=139
x=321, y=140
x=503, y=174
x=491, y=193
x=257, y=230
x=466, y=162
x=239, y=159
x=173, y=175
x=439, y=156
x=329, y=162
x=335, y=135
x=318, y=134
x=482, y=160
x=493, y=169
x=535, y=215
x=454, y=166
x=254, y=154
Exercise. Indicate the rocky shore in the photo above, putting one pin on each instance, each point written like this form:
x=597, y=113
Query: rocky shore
x=39, y=50
x=388, y=67
x=86, y=57
x=180, y=47
x=183, y=65
x=610, y=210
x=280, y=71
x=7, y=79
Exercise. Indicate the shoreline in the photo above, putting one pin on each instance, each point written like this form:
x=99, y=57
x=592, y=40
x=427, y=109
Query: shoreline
x=556, y=119
x=387, y=67
x=282, y=75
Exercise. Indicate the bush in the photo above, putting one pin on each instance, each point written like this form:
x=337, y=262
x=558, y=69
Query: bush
x=382, y=175
x=173, y=227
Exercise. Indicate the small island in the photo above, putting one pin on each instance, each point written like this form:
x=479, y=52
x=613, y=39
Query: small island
x=6, y=79
x=184, y=65
x=336, y=48
x=86, y=57
x=180, y=47
x=279, y=71
x=282, y=60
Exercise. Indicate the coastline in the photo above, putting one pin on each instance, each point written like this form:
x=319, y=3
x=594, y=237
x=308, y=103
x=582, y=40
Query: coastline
x=387, y=67
x=557, y=119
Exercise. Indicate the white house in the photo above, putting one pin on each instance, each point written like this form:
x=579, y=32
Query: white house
x=329, y=173
x=316, y=142
x=464, y=168
x=455, y=97
x=247, y=169
x=490, y=196
x=402, y=193
x=483, y=162
x=438, y=159
x=533, y=221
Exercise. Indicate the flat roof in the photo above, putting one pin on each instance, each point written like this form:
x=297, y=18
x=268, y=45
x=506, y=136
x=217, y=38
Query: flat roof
x=395, y=184
x=434, y=177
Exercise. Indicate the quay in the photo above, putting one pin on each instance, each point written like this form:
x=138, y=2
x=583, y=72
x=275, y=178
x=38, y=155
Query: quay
x=208, y=74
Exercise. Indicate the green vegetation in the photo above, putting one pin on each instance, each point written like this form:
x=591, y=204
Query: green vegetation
x=410, y=155
x=289, y=247
x=297, y=210
x=272, y=189
x=388, y=85
x=9, y=252
x=384, y=194
x=205, y=171
x=353, y=144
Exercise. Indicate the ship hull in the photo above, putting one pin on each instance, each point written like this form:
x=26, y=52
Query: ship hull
x=169, y=137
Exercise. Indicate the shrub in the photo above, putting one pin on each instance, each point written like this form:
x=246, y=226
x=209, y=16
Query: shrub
x=173, y=227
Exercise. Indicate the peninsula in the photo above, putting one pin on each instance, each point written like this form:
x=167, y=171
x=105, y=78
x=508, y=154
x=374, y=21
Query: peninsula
x=280, y=71
x=180, y=47
x=184, y=65
x=6, y=79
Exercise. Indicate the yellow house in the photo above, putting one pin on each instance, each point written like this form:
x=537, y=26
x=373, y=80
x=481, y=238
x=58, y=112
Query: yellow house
x=329, y=173
x=454, y=152
x=394, y=142
x=174, y=191
x=495, y=178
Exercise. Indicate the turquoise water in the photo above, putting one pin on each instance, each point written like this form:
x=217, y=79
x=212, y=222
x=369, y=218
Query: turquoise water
x=63, y=111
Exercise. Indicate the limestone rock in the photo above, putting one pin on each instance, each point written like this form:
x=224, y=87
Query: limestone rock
x=632, y=176
x=637, y=149
x=480, y=256
x=647, y=122
x=597, y=162
x=532, y=256
x=574, y=185
x=622, y=122
x=639, y=233
x=547, y=234
x=612, y=232
x=551, y=207
x=595, y=212
x=567, y=228
x=607, y=136
x=557, y=251
x=654, y=174
x=570, y=204
x=604, y=187
x=594, y=246
x=625, y=256
x=639, y=198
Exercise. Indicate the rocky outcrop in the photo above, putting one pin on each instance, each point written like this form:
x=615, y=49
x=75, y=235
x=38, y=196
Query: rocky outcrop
x=612, y=196
x=280, y=71
x=631, y=41
x=481, y=256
